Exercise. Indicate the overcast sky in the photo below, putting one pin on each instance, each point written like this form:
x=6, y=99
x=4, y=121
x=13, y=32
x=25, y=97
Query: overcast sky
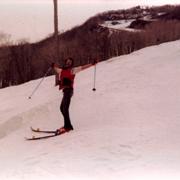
x=33, y=19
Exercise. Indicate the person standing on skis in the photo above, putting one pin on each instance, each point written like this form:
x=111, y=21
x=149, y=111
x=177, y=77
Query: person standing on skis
x=66, y=84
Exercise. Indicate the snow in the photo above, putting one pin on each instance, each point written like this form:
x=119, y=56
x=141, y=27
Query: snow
x=147, y=18
x=161, y=13
x=122, y=25
x=127, y=129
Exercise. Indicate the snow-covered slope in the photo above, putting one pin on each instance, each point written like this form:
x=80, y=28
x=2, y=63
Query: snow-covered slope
x=128, y=129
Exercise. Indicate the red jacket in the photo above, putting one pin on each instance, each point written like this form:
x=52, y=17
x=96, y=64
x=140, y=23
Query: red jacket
x=66, y=78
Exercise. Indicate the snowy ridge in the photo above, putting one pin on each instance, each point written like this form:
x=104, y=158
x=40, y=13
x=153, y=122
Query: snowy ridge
x=127, y=129
x=121, y=25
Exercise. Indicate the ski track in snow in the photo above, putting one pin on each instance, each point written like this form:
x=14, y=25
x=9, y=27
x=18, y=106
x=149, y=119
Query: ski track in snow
x=128, y=129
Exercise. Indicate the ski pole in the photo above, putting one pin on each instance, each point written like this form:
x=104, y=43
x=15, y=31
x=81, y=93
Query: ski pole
x=35, y=89
x=94, y=87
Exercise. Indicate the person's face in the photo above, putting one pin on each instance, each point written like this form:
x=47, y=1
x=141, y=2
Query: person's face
x=68, y=63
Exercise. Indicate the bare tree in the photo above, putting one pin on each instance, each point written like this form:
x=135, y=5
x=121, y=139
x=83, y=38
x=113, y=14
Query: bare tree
x=5, y=39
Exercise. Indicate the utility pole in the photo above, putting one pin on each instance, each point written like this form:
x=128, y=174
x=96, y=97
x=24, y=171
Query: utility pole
x=56, y=39
x=56, y=29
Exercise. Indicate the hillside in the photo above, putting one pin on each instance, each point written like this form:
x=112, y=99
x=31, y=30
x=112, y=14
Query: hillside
x=127, y=129
x=106, y=35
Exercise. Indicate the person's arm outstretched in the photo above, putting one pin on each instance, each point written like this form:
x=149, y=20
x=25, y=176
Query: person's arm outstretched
x=80, y=68
x=56, y=68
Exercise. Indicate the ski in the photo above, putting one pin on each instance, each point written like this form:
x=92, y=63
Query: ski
x=44, y=137
x=40, y=137
x=42, y=131
x=52, y=134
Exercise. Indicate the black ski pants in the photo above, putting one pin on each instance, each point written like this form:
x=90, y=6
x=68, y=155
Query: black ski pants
x=64, y=107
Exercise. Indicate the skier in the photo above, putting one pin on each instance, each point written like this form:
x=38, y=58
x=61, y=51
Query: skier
x=66, y=82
